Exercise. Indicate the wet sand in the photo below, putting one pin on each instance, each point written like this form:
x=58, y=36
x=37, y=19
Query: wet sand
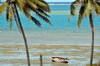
x=14, y=54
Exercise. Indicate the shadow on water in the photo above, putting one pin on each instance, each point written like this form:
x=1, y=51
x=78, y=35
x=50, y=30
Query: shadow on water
x=59, y=64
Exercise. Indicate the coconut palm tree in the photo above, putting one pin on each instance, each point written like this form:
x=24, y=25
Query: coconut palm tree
x=40, y=7
x=87, y=7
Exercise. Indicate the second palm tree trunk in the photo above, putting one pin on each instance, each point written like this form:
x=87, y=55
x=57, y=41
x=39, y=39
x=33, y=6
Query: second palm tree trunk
x=92, y=46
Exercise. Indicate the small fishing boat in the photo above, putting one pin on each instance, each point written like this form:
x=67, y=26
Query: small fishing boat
x=59, y=59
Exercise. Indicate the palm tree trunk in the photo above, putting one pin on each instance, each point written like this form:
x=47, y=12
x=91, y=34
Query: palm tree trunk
x=23, y=34
x=92, y=46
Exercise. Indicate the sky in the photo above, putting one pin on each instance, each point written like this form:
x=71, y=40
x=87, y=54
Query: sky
x=56, y=0
x=59, y=0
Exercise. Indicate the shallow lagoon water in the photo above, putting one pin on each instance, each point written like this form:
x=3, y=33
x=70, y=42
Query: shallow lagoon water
x=73, y=45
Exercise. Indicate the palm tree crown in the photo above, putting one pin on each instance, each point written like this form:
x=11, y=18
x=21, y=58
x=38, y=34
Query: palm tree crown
x=86, y=7
x=40, y=7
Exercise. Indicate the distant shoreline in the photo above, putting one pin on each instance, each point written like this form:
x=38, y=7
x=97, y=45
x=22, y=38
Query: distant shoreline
x=54, y=3
x=59, y=4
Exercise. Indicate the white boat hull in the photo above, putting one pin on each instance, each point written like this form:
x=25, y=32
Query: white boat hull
x=59, y=61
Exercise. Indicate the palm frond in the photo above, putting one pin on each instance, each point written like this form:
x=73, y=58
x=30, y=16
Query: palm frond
x=46, y=8
x=88, y=8
x=73, y=8
x=7, y=11
x=43, y=12
x=39, y=10
x=85, y=10
x=30, y=4
x=26, y=11
x=9, y=14
x=21, y=4
x=10, y=19
x=44, y=2
x=2, y=7
x=96, y=7
x=38, y=2
x=43, y=17
x=36, y=21
x=81, y=16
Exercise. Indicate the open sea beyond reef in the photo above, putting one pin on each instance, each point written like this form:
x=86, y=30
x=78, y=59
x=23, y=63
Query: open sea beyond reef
x=63, y=39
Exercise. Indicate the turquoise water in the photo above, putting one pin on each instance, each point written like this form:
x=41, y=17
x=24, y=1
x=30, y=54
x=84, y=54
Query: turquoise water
x=60, y=12
x=59, y=15
x=59, y=18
